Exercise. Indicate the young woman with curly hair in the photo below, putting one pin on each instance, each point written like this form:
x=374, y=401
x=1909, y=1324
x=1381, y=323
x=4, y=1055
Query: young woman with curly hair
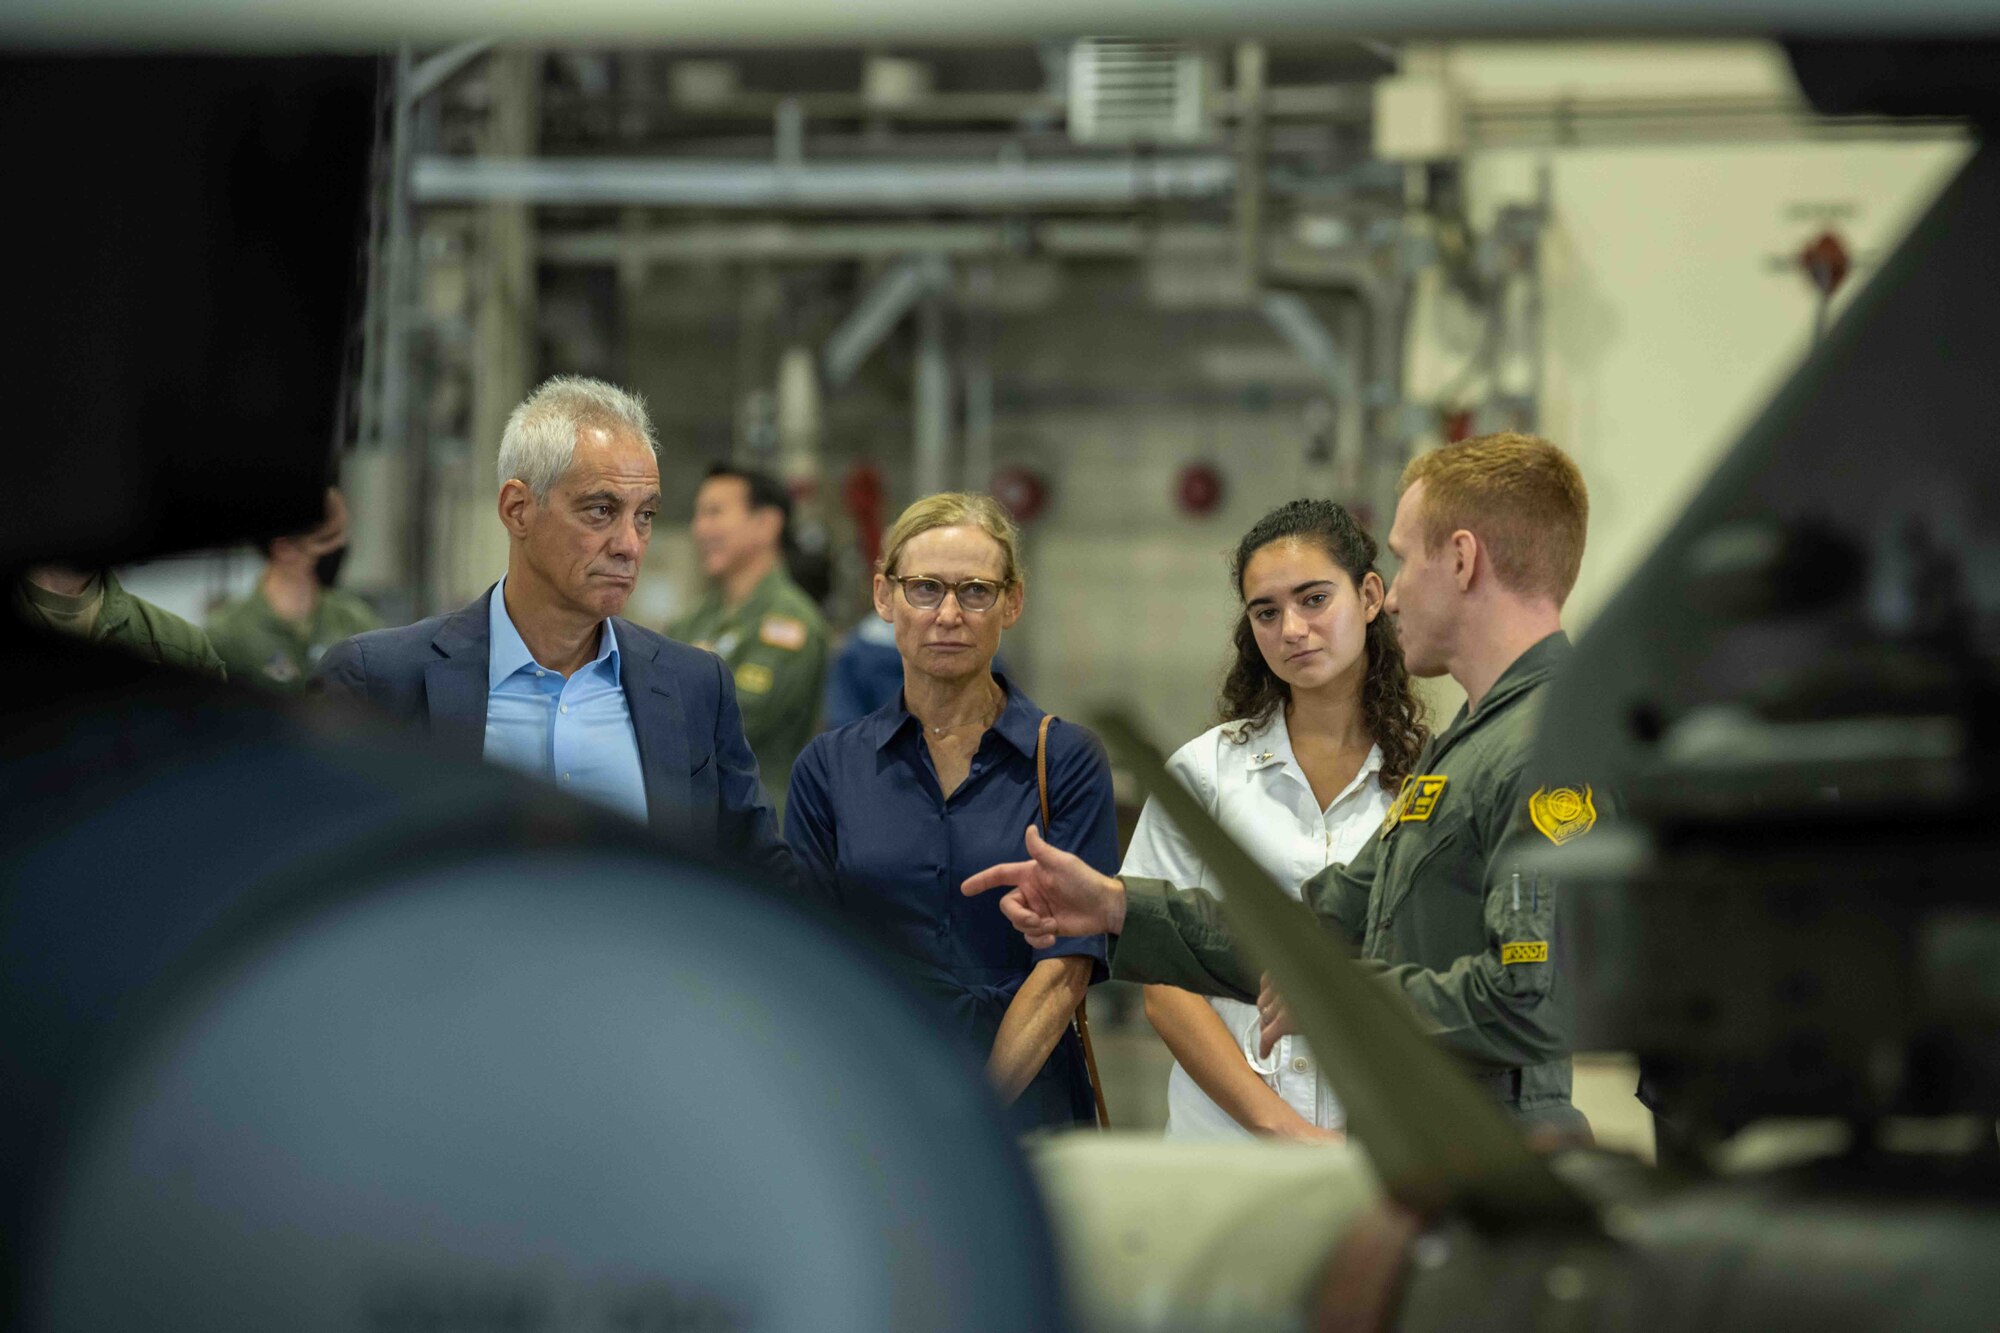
x=1319, y=729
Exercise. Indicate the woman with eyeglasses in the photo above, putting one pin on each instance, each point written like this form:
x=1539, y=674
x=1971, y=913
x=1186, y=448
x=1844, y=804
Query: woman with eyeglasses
x=893, y=812
x=1319, y=729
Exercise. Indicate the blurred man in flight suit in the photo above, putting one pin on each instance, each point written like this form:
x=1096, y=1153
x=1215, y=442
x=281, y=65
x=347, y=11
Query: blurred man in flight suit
x=755, y=618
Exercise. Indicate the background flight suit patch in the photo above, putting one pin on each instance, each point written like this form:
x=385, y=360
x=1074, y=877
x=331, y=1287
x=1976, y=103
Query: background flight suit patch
x=1562, y=814
x=753, y=678
x=783, y=632
x=1395, y=810
x=1536, y=951
x=1425, y=793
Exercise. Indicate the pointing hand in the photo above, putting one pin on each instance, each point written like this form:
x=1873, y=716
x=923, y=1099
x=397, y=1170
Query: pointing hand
x=1053, y=894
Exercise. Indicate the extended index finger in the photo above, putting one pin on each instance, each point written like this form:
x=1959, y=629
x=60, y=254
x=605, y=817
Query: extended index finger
x=997, y=877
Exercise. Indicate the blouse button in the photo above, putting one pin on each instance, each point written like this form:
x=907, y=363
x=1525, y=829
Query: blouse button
x=1299, y=1064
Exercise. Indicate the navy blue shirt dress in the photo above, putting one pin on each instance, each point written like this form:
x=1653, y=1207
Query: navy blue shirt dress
x=870, y=825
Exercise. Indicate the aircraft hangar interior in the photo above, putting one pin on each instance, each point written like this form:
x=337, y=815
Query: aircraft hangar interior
x=1094, y=667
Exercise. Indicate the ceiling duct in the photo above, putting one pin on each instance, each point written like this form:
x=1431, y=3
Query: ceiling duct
x=1123, y=92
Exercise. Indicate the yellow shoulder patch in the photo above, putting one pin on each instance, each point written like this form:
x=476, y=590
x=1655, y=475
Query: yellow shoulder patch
x=753, y=678
x=1526, y=951
x=787, y=632
x=1562, y=814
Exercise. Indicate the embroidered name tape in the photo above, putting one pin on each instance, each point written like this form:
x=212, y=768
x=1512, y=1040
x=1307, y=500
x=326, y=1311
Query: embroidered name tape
x=1416, y=801
x=1425, y=793
x=1536, y=951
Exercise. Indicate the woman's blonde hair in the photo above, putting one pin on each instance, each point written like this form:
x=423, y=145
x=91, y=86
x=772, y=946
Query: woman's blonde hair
x=952, y=509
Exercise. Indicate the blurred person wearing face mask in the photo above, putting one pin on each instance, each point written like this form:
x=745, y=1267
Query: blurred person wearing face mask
x=755, y=617
x=1319, y=729
x=541, y=675
x=888, y=814
x=275, y=636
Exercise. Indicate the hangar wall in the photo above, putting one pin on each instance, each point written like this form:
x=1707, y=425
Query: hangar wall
x=1668, y=312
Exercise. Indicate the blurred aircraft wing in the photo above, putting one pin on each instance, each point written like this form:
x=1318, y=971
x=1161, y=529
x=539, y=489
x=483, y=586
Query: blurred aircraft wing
x=1437, y=1141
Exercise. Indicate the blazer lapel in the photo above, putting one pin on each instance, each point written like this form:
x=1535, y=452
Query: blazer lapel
x=661, y=727
x=455, y=686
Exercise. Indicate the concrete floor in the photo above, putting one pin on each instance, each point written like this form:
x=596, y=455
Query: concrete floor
x=1134, y=1063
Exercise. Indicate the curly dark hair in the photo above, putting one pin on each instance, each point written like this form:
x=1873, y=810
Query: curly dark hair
x=1393, y=713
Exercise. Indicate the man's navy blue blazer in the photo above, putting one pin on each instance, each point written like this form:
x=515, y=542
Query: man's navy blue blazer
x=701, y=779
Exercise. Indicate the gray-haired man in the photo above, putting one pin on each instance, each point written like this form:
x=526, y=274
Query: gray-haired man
x=541, y=675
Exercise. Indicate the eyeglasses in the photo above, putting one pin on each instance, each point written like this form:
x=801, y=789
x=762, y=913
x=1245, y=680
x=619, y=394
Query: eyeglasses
x=927, y=594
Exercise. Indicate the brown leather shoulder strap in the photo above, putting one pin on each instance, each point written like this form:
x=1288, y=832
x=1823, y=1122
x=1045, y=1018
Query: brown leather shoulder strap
x=1081, y=1019
x=1042, y=767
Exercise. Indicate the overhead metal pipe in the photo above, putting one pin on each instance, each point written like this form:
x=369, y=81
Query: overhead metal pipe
x=819, y=185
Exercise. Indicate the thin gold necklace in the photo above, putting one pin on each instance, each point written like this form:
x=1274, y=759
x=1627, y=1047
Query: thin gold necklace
x=983, y=723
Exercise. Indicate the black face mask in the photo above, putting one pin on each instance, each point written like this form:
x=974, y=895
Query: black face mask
x=327, y=567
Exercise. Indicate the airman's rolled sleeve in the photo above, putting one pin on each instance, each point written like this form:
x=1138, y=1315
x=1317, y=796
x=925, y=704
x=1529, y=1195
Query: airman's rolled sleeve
x=1176, y=937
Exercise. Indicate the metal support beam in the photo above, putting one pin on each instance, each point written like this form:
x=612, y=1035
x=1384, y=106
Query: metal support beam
x=232, y=25
x=931, y=415
x=431, y=73
x=686, y=242
x=977, y=362
x=1301, y=327
x=875, y=314
x=1250, y=160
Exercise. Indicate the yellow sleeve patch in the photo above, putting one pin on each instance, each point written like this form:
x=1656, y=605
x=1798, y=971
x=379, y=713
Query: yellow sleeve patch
x=1562, y=814
x=753, y=678
x=1536, y=951
x=787, y=632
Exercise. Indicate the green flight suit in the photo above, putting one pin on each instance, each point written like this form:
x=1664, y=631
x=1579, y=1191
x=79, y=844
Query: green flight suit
x=1446, y=904
x=262, y=648
x=122, y=621
x=775, y=646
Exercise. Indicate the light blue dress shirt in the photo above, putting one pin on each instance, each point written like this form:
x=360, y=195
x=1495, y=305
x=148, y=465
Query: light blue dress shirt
x=575, y=733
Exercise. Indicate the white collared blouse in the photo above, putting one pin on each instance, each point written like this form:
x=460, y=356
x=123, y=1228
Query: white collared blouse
x=1250, y=781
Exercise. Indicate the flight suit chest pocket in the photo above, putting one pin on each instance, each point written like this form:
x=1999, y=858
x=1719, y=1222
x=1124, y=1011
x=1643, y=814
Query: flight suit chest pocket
x=1427, y=864
x=1521, y=912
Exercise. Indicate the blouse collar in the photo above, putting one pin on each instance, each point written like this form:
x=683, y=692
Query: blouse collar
x=1270, y=746
x=1019, y=722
